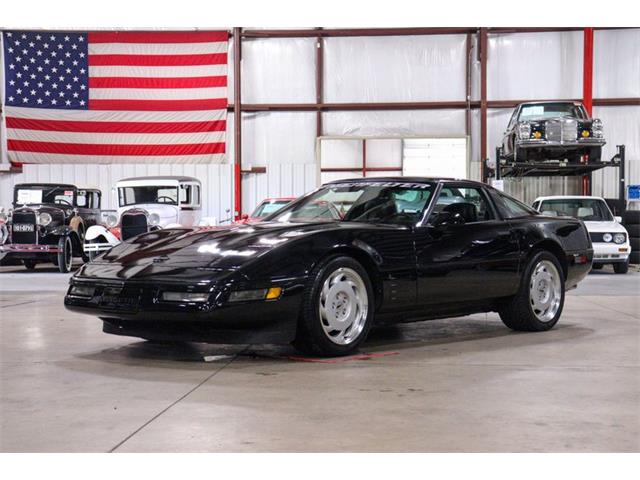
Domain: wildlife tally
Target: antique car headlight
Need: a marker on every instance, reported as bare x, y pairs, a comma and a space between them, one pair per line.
111, 221
619, 238
184, 297
524, 131
154, 219
44, 219
607, 237
82, 291
597, 128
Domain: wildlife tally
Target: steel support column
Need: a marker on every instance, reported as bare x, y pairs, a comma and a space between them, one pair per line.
587, 91
483, 44
237, 121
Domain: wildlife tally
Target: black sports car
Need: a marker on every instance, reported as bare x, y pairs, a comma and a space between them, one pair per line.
541, 131
351, 254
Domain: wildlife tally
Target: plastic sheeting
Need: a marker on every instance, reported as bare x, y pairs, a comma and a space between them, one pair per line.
428, 123
394, 69
535, 65
621, 126
616, 63
278, 70
278, 137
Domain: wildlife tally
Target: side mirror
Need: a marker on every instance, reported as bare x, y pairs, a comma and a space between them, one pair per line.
618, 219
445, 219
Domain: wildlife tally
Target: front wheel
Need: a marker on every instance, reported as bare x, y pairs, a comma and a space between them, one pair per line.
29, 264
538, 304
65, 254
621, 267
337, 310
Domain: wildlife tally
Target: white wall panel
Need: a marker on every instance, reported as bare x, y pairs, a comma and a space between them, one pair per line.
395, 69
384, 152
278, 70
429, 123
270, 138
535, 65
341, 153
616, 63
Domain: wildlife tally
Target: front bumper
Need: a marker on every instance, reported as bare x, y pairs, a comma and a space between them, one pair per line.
609, 252
139, 311
22, 250
584, 142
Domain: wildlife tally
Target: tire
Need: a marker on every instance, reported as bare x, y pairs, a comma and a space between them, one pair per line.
339, 289
635, 244
621, 267
634, 257
29, 264
65, 255
597, 266
633, 231
631, 217
520, 312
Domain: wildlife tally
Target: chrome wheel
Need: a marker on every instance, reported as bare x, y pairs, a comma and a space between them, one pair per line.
343, 306
545, 290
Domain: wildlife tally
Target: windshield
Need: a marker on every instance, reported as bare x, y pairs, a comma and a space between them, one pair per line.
268, 207
543, 111
166, 195
384, 202
41, 195
586, 209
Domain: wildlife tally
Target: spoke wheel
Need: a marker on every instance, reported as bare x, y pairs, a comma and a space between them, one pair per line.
343, 306
545, 291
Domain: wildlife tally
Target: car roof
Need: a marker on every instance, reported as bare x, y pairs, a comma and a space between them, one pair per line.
405, 180
161, 177
63, 185
574, 102
568, 197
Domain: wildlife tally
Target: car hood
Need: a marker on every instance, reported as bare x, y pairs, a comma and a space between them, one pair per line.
207, 249
603, 227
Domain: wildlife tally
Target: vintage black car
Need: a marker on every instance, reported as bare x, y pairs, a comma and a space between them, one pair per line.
542, 131
326, 268
48, 223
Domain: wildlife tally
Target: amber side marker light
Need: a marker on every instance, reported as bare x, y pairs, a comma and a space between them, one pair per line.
537, 135
585, 133
622, 250
273, 293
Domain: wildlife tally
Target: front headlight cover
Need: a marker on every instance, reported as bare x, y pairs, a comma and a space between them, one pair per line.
111, 221
82, 291
185, 297
619, 238
154, 219
44, 219
524, 131
597, 128
607, 237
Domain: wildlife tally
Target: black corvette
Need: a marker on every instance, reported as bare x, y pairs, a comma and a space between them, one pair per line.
324, 269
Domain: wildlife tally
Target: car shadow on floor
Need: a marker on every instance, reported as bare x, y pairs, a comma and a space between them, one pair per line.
431, 340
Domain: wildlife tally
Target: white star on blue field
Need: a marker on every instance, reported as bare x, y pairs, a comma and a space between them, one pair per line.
46, 70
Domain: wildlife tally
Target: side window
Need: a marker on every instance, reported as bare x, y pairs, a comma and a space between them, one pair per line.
196, 195
185, 194
514, 208
82, 199
470, 202
96, 200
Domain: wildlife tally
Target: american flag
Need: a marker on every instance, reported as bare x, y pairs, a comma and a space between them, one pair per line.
115, 97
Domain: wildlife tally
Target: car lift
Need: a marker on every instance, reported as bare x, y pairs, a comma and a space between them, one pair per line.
503, 169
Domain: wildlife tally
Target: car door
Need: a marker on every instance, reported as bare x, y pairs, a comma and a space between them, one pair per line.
472, 256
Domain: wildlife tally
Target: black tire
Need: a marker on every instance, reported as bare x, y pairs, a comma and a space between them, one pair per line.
631, 217
621, 267
635, 244
634, 257
518, 313
65, 254
29, 264
633, 231
597, 266
311, 337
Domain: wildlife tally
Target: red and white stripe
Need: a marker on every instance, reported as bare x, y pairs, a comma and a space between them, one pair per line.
154, 97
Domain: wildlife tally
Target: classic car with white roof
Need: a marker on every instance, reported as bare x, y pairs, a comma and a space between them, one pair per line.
146, 204
609, 238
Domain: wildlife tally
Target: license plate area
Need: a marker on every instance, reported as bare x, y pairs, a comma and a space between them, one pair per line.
120, 298
23, 227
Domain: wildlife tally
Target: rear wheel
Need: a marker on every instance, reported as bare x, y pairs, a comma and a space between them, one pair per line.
337, 309
597, 266
29, 264
65, 254
538, 305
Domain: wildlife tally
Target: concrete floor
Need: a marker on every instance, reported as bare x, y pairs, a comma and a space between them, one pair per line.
464, 384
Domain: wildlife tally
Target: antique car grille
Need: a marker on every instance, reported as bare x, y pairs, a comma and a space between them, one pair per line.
562, 130
23, 227
133, 224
